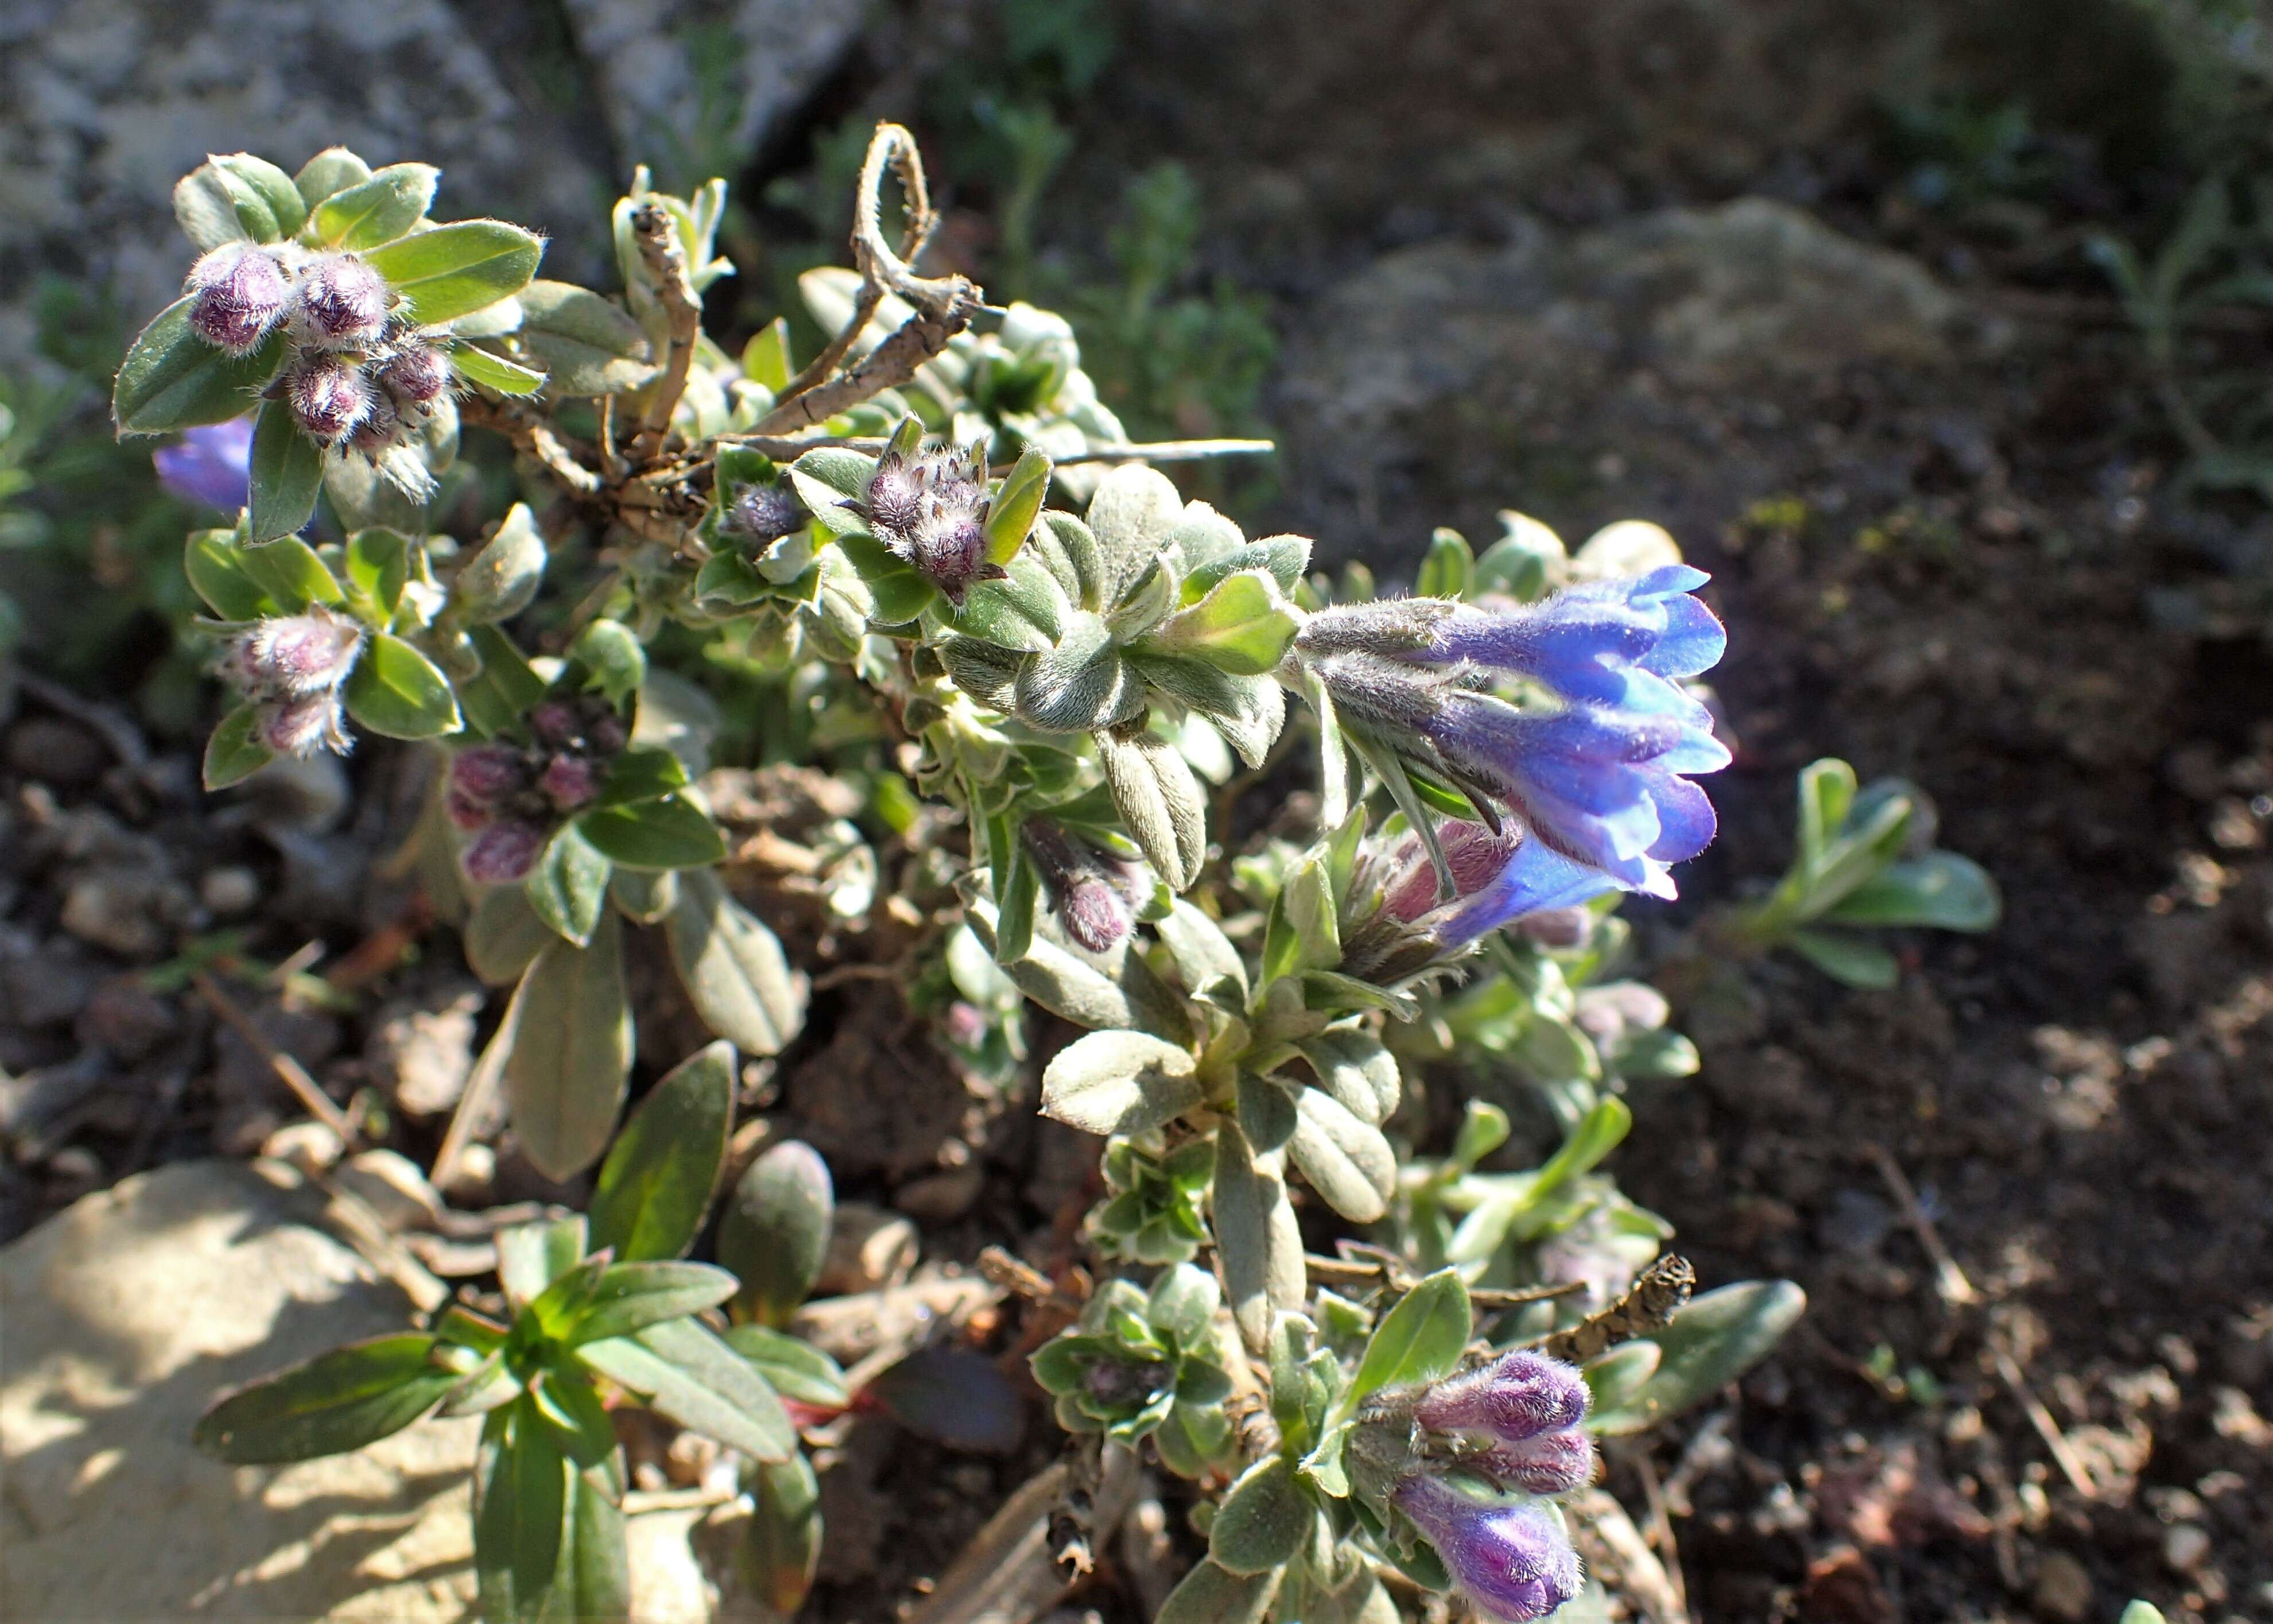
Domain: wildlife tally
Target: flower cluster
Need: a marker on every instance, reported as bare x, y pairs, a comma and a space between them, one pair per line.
291, 668
358, 377
1482, 1451
511, 798
929, 506
1568, 714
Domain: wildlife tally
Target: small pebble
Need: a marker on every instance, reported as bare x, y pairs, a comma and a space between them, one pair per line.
2063, 1589
2186, 1547
229, 890
309, 1147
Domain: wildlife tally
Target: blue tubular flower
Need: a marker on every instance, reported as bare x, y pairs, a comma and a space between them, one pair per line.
211, 465
1592, 641
1515, 1421
1498, 878
1512, 1559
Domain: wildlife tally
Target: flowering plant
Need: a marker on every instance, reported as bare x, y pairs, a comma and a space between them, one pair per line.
977, 598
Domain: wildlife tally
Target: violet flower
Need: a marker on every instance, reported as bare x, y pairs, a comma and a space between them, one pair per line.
1510, 1558
210, 465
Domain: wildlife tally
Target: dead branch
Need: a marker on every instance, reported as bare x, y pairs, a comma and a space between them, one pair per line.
658, 237
1658, 1294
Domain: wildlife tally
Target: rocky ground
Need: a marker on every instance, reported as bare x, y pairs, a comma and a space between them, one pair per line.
1597, 262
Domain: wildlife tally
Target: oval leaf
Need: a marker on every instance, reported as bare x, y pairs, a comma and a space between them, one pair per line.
1345, 1158
1419, 1340
287, 472
1118, 1082
1715, 1339
1160, 803
684, 1373
456, 269
657, 1181
171, 378
234, 752
1263, 1520
732, 967
670, 832
377, 211
774, 1234
564, 1075
335, 1402
396, 690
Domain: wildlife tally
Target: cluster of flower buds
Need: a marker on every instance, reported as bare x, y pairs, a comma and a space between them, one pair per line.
1595, 764
291, 667
930, 507
510, 799
357, 378
1478, 1453
1092, 892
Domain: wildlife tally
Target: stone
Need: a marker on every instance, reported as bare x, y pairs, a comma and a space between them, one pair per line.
696, 88
2064, 1588
1588, 376
868, 1248
421, 1051
105, 104
126, 1314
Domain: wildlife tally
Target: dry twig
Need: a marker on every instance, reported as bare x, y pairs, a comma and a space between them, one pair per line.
658, 237
1658, 1294
289, 1070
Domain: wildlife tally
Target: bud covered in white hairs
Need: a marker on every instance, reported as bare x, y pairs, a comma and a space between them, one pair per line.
238, 293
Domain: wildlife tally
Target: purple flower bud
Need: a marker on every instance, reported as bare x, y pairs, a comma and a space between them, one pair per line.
489, 774
1516, 1397
466, 813
340, 303
606, 732
211, 465
503, 852
570, 781
327, 396
416, 375
381, 427
303, 726
763, 513
1474, 854
948, 548
1514, 1561
1081, 885
1556, 1462
555, 724
895, 497
1094, 914
238, 293
296, 655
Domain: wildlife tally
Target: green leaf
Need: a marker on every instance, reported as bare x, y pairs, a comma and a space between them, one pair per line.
1132, 514
1847, 959
2141, 1613
1242, 627
571, 1052
1259, 1243
507, 686
1941, 889
327, 174
378, 563
732, 967
774, 1234
1449, 567
279, 199
587, 344
234, 752
172, 379
1182, 1301
335, 1402
899, 593
1118, 1082
1213, 1594
1420, 1339
686, 1374
290, 572
1011, 516
379, 210
1826, 791
842, 474
532, 1256
567, 1405
456, 269
766, 358
1079, 683
214, 563
1613, 1380
287, 472
1345, 1159
657, 1181
1302, 932
492, 371
1714, 1339
631, 1296
671, 832
521, 1513
1159, 802
613, 660
645, 897
501, 579
567, 886
780, 1542
1263, 1520
1353, 1067
213, 206
397, 691
792, 1367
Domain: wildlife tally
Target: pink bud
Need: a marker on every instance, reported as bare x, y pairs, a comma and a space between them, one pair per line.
327, 396
570, 781
417, 374
298, 654
341, 303
381, 427
503, 852
239, 294
303, 726
1093, 913
555, 723
488, 773
607, 733
466, 813
1474, 854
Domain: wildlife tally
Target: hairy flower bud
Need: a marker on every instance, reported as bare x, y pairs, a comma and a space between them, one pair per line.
327, 396
1082, 888
763, 513
1514, 1561
1474, 854
948, 548
1516, 1397
570, 781
416, 375
295, 655
238, 293
303, 725
488, 774
1557, 1463
381, 430
339, 304
503, 852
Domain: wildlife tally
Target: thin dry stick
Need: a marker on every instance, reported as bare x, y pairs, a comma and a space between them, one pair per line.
1948, 1279
659, 249
534, 437
1658, 1294
1659, 1532
2063, 1453
290, 1072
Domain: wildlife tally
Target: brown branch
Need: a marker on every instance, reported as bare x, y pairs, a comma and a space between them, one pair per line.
535, 437
289, 1070
666, 262
1658, 1294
